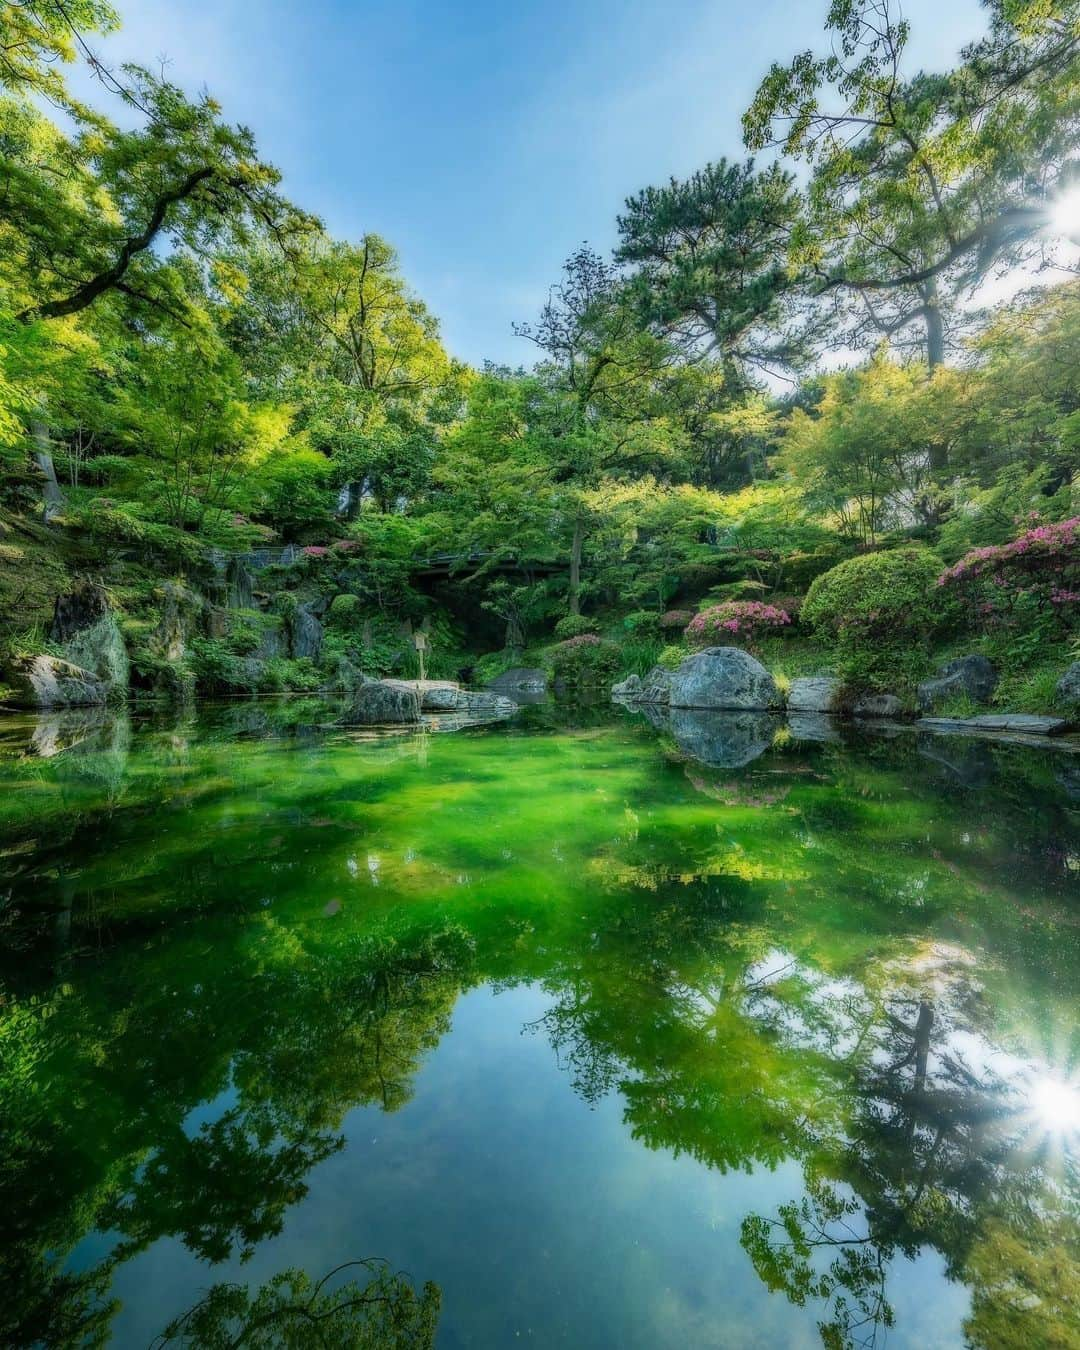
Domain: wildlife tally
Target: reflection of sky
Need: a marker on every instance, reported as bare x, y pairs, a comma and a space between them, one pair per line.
540, 1217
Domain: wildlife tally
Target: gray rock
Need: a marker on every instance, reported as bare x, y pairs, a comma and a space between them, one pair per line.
49, 682
473, 702
722, 739
877, 705
521, 679
380, 702
725, 678
86, 628
1067, 693
654, 688
971, 675
305, 633
630, 688
815, 694
1029, 723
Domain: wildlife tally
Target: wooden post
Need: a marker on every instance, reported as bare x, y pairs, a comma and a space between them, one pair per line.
420, 643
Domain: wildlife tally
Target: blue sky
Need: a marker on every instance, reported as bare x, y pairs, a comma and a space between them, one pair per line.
486, 140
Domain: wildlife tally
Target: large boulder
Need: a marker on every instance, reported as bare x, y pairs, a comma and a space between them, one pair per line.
654, 688
723, 677
521, 679
814, 694
1067, 692
305, 633
86, 629
971, 676
877, 705
723, 740
380, 703
49, 682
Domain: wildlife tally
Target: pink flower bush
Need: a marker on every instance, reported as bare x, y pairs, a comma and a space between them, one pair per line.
1046, 548
582, 640
1037, 572
344, 545
315, 551
743, 619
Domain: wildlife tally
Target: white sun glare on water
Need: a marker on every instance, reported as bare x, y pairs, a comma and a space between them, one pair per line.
1055, 1106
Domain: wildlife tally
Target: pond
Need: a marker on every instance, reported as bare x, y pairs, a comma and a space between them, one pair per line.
614, 1046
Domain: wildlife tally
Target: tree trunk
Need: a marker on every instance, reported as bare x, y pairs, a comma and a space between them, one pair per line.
574, 593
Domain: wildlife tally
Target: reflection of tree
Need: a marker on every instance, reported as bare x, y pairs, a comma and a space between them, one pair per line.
374, 1310
289, 1040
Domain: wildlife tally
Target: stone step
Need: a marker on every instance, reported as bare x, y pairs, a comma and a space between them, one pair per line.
1030, 723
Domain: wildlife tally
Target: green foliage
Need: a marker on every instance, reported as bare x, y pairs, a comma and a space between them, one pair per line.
671, 658
879, 611
377, 1311
345, 612
585, 661
573, 625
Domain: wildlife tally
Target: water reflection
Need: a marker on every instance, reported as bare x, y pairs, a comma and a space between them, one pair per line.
823, 959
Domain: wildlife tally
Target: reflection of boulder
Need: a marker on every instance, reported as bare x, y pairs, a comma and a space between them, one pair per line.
968, 676
970, 763
725, 678
59, 731
723, 739
813, 726
814, 694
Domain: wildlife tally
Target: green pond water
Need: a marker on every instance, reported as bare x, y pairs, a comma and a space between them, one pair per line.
616, 1047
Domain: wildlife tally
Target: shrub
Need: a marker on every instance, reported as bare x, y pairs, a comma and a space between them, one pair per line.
877, 597
344, 611
574, 625
642, 623
671, 658
735, 621
585, 660
878, 612
676, 618
1031, 584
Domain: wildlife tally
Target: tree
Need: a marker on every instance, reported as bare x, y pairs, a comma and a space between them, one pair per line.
922, 185
710, 259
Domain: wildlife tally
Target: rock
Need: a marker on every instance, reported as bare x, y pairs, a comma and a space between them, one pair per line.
815, 694
725, 678
878, 705
473, 702
654, 688
630, 688
1028, 723
1067, 692
521, 679
972, 676
380, 702
49, 682
89, 636
723, 739
305, 633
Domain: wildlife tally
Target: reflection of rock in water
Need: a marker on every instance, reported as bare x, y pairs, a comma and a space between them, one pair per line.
968, 762
812, 726
724, 740
56, 732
